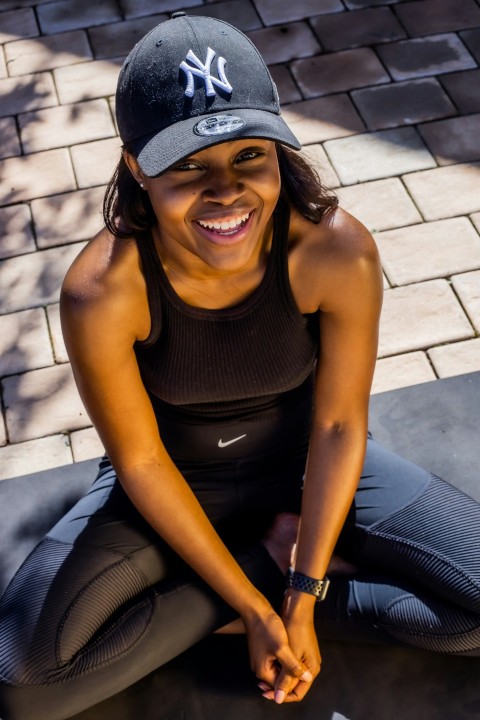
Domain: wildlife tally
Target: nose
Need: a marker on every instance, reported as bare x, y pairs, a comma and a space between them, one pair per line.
223, 186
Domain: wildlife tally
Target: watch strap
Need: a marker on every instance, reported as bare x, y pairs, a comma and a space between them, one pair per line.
307, 584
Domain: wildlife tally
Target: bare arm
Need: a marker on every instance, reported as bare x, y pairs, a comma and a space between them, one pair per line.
103, 313
351, 291
349, 316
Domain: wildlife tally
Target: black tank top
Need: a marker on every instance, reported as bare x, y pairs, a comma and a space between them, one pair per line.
246, 361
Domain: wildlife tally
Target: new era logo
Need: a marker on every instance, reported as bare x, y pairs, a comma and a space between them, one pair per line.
200, 70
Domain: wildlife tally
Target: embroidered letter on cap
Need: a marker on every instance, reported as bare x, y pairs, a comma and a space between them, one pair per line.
203, 71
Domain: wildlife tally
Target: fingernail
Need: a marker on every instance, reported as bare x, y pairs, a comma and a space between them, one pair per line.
307, 676
280, 696
263, 686
266, 695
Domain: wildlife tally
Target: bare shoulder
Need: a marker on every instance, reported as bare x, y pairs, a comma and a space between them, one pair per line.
339, 237
105, 280
328, 257
100, 266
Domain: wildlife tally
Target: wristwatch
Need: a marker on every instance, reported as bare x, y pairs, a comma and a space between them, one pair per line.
309, 585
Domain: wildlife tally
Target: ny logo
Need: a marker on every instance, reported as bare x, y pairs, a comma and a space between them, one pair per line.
203, 71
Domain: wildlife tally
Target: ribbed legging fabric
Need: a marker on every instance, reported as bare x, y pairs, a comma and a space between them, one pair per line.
102, 601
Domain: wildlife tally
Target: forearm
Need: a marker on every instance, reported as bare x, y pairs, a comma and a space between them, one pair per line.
332, 474
333, 470
163, 497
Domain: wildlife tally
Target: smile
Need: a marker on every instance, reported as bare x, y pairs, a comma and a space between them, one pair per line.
225, 227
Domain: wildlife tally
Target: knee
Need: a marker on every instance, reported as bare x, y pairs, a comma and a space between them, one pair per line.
431, 625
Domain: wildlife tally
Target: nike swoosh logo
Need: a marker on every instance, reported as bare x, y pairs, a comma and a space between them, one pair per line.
222, 444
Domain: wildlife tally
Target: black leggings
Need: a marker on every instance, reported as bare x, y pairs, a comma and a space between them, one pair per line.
102, 601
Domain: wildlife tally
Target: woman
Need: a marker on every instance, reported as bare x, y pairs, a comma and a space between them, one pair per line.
220, 328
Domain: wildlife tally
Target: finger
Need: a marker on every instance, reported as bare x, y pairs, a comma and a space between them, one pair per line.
268, 672
301, 688
284, 686
264, 686
289, 680
298, 692
293, 667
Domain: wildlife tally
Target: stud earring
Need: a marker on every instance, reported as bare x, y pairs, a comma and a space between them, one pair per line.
141, 185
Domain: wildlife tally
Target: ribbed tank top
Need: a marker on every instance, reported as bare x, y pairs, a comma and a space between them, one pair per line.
243, 361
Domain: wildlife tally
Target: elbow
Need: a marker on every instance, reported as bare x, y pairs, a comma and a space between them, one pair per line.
340, 429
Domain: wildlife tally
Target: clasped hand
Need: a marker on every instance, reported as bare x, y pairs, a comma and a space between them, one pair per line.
284, 655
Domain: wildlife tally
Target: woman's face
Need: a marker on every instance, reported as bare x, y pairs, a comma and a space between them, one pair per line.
215, 206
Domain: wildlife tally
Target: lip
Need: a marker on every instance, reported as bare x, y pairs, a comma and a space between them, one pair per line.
228, 237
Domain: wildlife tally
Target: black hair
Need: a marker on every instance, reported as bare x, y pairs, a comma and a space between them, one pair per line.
127, 209
302, 187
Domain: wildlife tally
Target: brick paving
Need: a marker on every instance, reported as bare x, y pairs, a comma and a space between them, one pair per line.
385, 96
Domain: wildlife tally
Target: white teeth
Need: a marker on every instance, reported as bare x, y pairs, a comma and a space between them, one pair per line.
225, 224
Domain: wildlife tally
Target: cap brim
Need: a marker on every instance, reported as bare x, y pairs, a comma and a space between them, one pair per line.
157, 153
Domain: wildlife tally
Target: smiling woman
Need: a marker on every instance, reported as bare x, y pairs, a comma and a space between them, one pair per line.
220, 199
222, 330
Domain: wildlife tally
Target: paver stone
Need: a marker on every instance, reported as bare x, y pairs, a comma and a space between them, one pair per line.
67, 218
3, 64
287, 90
86, 444
37, 175
66, 125
454, 140
358, 4
117, 39
446, 191
380, 204
400, 371
285, 42
16, 236
274, 12
240, 13
55, 327
34, 455
426, 17
471, 38
9, 140
323, 118
138, 8
403, 103
64, 15
340, 31
463, 89
95, 162
43, 402
35, 279
430, 250
433, 55
45, 53
27, 92
24, 342
337, 72
372, 156
467, 287
457, 358
89, 80
418, 316
317, 156
15, 24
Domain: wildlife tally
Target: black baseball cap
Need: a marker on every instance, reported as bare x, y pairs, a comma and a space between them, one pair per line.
192, 82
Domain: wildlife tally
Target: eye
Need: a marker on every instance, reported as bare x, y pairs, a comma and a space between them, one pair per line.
185, 165
249, 154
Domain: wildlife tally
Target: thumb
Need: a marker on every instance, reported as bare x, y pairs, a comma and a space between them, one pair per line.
292, 667
292, 671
